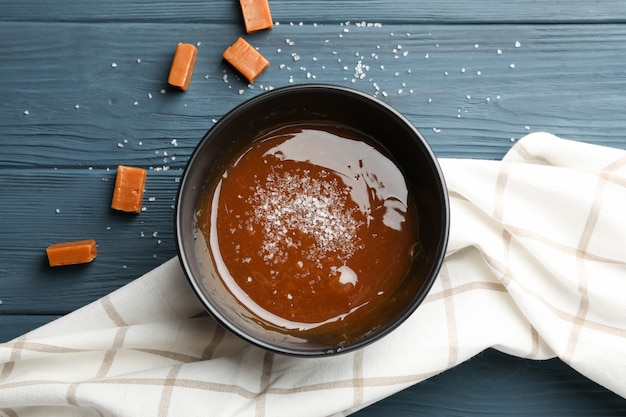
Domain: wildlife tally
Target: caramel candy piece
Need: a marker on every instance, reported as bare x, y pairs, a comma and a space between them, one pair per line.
182, 66
245, 59
256, 15
71, 253
129, 187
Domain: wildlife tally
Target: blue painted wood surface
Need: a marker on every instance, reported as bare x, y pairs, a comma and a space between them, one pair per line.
83, 89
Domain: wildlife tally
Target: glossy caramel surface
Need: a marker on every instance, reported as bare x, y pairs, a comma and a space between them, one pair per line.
310, 225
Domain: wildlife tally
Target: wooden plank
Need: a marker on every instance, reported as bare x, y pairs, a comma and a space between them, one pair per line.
85, 117
505, 386
40, 207
310, 11
14, 325
468, 99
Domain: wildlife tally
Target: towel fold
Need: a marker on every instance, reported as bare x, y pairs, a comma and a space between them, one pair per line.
535, 268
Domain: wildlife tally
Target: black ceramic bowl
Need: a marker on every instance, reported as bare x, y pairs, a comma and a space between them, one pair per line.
333, 105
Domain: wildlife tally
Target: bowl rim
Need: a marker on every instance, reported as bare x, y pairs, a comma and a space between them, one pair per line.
439, 254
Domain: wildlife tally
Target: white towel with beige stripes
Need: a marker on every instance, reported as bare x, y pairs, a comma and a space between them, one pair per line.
536, 268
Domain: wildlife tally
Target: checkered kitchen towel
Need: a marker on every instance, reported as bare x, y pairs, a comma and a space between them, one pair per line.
535, 268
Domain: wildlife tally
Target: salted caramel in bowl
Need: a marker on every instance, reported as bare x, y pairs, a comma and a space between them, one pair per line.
312, 220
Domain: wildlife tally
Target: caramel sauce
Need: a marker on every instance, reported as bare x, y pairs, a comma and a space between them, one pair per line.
311, 225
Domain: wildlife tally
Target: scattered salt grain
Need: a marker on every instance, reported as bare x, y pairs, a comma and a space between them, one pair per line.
512, 66
499, 51
77, 106
26, 112
517, 44
113, 65
57, 211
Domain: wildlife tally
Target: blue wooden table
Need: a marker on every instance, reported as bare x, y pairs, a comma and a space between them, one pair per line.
83, 89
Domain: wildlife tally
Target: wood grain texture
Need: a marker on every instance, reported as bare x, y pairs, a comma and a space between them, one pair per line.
13, 325
449, 80
496, 384
64, 205
310, 11
84, 88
